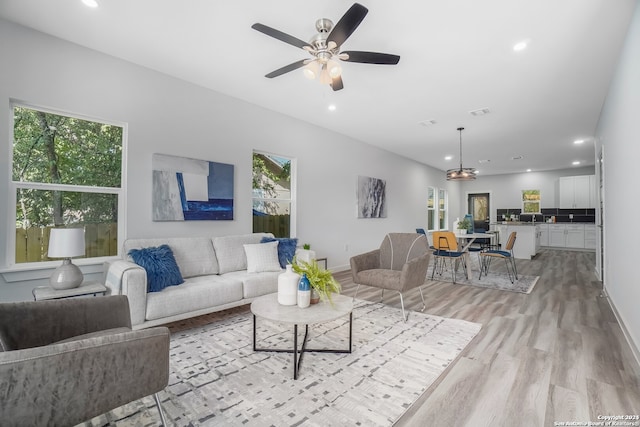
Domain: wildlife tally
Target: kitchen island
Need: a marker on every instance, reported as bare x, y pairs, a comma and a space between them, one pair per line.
531, 236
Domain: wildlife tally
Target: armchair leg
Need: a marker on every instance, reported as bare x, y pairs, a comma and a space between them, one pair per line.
356, 294
424, 305
405, 318
159, 405
382, 295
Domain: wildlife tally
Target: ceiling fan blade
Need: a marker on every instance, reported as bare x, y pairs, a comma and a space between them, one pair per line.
336, 83
277, 34
347, 24
371, 57
286, 69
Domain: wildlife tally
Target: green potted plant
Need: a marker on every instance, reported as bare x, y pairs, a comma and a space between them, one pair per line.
322, 281
464, 225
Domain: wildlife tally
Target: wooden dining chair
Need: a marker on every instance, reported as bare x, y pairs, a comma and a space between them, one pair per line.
446, 248
487, 256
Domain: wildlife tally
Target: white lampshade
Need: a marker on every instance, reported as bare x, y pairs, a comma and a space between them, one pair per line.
66, 242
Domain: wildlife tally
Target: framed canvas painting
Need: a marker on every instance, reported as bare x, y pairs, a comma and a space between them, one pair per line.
188, 189
371, 197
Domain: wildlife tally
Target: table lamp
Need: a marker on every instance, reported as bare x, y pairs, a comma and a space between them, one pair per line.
66, 243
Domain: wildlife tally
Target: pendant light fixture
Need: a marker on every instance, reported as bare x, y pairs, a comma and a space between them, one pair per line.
461, 174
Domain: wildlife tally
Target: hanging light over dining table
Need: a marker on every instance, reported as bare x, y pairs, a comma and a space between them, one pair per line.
461, 174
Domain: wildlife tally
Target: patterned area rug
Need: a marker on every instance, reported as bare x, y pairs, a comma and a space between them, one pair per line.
494, 280
217, 379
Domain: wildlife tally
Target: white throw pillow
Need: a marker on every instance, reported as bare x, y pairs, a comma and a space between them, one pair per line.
262, 257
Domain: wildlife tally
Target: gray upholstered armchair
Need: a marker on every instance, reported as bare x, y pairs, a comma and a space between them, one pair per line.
400, 264
63, 362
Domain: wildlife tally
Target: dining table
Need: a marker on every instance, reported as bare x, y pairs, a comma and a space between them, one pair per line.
465, 240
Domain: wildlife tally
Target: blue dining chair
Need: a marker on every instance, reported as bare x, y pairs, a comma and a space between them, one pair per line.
487, 256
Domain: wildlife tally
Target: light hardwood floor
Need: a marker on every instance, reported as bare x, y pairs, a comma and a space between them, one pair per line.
557, 354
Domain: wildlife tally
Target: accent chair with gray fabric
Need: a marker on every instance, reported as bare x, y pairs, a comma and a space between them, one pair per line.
400, 264
63, 362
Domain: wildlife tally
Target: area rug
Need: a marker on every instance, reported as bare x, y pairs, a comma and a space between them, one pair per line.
494, 280
217, 379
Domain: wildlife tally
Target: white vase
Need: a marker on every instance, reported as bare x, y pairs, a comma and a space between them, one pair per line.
288, 287
306, 255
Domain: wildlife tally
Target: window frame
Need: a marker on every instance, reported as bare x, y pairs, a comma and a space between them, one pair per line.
438, 194
10, 263
292, 191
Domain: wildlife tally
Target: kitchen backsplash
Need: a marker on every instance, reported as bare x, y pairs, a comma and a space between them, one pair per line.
561, 215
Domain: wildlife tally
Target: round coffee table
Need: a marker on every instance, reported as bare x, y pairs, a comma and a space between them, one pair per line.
267, 307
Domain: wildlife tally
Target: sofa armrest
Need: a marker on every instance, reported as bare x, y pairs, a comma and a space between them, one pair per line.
414, 272
127, 278
36, 323
366, 261
72, 382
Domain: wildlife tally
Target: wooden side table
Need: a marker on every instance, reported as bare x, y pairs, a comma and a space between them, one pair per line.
86, 288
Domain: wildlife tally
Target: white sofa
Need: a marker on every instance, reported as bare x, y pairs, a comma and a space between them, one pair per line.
214, 272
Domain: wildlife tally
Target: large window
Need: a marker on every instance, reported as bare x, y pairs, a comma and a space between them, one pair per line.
273, 195
437, 206
67, 172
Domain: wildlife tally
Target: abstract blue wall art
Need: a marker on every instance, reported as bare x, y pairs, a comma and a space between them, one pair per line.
188, 189
372, 201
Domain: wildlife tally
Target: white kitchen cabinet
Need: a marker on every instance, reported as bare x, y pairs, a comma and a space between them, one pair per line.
544, 234
557, 235
575, 236
589, 236
577, 192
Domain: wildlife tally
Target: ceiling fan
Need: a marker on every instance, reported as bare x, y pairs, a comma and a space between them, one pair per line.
324, 48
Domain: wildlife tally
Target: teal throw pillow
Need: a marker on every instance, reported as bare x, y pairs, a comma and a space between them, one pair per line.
162, 268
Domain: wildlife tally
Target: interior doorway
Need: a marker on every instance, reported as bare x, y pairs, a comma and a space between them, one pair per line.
479, 205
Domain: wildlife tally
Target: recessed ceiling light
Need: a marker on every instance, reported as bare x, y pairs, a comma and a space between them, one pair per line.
575, 163
480, 112
578, 141
90, 3
528, 170
332, 107
448, 157
428, 123
521, 45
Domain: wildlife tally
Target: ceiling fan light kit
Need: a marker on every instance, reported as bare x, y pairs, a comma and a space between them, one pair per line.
461, 174
324, 47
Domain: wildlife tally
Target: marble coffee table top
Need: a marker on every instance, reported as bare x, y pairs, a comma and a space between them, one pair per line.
267, 307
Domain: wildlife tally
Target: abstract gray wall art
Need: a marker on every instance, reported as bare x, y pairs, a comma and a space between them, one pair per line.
372, 201
189, 189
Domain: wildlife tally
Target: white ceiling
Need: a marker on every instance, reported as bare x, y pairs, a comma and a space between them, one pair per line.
456, 56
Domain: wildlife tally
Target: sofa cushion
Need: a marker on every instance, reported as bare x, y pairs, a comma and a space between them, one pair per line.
255, 284
230, 250
195, 255
162, 269
196, 293
286, 248
262, 257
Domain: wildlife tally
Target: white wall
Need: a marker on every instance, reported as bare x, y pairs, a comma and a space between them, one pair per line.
618, 133
506, 190
169, 116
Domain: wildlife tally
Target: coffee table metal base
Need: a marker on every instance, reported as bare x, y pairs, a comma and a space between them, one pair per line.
297, 354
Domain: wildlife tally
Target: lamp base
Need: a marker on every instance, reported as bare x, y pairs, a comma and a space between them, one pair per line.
67, 276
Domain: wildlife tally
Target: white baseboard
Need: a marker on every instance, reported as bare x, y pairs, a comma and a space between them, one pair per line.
625, 332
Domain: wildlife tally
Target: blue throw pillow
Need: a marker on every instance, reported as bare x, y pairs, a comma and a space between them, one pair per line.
286, 248
161, 266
